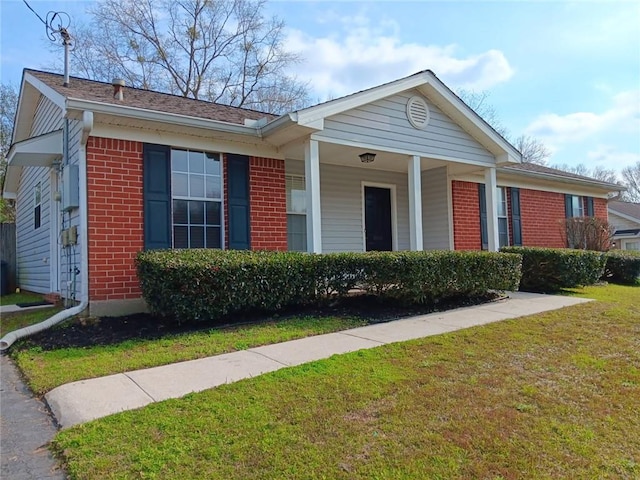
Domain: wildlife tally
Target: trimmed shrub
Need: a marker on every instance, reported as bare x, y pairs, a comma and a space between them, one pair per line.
200, 284
623, 266
552, 269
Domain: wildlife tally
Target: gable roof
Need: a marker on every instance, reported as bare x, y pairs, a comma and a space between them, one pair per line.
628, 210
429, 85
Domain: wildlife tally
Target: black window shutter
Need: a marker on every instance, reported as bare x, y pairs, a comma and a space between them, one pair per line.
516, 220
484, 231
238, 202
568, 208
156, 191
590, 212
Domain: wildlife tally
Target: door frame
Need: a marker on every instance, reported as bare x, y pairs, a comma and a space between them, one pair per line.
394, 217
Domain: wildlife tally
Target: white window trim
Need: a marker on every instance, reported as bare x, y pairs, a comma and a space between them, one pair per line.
221, 158
394, 216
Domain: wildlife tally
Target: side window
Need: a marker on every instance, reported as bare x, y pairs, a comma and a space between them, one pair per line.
296, 213
37, 209
503, 219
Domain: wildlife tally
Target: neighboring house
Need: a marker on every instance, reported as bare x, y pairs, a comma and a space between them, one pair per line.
624, 217
101, 171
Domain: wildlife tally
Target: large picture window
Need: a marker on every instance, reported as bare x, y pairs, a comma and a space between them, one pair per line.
196, 183
296, 213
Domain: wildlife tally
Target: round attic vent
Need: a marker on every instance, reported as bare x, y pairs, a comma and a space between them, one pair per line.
418, 112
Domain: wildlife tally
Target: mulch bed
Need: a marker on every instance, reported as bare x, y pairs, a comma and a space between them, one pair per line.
113, 330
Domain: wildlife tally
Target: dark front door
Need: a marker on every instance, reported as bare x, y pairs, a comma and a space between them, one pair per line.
377, 218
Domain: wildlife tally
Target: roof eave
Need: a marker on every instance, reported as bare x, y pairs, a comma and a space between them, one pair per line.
605, 186
162, 117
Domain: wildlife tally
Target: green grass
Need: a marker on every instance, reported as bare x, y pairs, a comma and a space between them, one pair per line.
45, 370
554, 395
15, 320
22, 297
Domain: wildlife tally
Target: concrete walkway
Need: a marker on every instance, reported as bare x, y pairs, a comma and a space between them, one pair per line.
82, 401
27, 428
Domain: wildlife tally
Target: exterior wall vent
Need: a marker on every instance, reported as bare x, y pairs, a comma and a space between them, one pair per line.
418, 112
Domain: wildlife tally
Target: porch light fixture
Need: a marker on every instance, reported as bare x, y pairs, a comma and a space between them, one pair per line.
367, 157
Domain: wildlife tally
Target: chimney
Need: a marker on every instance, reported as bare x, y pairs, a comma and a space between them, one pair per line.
118, 89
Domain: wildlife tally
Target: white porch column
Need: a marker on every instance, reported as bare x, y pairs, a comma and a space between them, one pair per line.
491, 185
312, 186
415, 204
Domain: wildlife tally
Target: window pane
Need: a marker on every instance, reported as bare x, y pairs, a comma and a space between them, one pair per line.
503, 232
213, 213
576, 204
502, 202
213, 164
213, 237
298, 201
196, 162
180, 212
213, 187
38, 195
179, 161
180, 184
196, 213
180, 237
297, 233
197, 237
196, 182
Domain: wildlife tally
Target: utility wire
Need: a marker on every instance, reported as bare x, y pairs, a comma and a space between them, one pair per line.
36, 13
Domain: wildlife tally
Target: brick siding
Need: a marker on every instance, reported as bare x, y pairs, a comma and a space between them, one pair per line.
114, 190
268, 204
466, 215
542, 214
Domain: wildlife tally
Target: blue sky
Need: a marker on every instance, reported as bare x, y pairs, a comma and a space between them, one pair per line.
567, 73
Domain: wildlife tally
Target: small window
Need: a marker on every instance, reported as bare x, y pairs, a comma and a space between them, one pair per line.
503, 219
296, 213
37, 210
577, 206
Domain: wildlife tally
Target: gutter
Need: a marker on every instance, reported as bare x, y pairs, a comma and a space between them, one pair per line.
11, 337
577, 181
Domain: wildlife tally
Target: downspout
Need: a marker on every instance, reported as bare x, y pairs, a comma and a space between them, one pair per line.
11, 337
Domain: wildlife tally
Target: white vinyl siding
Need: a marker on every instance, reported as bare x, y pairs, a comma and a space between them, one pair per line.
384, 124
435, 209
48, 117
32, 249
341, 203
620, 223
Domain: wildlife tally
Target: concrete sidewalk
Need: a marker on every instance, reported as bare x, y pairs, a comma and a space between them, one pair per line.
82, 401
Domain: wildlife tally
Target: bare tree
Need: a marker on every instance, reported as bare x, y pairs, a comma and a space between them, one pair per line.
588, 233
218, 50
479, 102
597, 173
8, 106
631, 180
532, 150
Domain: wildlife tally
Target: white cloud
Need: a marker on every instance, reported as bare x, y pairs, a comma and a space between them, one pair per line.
363, 55
610, 157
623, 116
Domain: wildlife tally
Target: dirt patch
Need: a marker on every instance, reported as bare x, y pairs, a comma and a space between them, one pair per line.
114, 330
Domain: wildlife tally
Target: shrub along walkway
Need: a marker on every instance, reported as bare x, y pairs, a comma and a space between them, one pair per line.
82, 401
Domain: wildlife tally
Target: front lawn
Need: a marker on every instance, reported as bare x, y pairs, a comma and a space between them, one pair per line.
554, 395
47, 369
15, 320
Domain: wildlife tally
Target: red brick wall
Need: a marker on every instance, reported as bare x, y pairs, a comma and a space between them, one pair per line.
268, 204
466, 216
542, 214
600, 209
114, 190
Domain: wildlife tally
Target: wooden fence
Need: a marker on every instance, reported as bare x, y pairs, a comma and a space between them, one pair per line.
8, 253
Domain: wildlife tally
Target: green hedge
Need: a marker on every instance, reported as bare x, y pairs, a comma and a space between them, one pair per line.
202, 284
623, 266
552, 269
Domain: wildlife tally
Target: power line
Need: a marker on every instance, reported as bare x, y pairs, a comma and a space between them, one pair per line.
36, 13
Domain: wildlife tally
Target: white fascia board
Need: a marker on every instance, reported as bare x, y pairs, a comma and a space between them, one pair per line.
624, 215
339, 105
512, 153
11, 182
608, 187
46, 90
161, 117
278, 123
